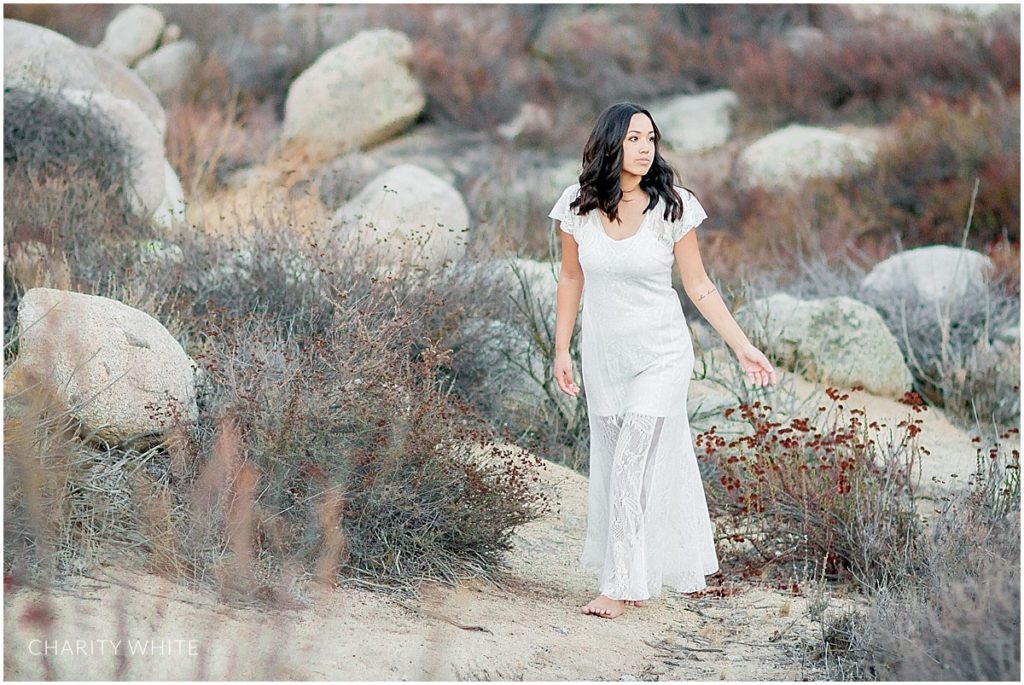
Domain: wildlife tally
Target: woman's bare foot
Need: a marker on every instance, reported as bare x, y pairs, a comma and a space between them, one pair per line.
636, 602
605, 607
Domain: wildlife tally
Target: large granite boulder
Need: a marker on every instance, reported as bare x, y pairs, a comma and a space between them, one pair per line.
167, 70
120, 372
148, 173
355, 95
696, 123
38, 58
836, 340
132, 33
405, 213
791, 155
934, 274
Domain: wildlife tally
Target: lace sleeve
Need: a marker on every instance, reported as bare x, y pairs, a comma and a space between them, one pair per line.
570, 221
693, 215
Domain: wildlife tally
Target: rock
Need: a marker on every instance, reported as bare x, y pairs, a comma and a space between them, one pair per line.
531, 119
836, 340
934, 274
38, 58
171, 212
952, 20
405, 213
132, 33
565, 36
343, 178
270, 46
243, 264
172, 32
1008, 334
125, 83
803, 39
149, 173
785, 158
169, 68
355, 95
695, 123
978, 9
117, 368
704, 336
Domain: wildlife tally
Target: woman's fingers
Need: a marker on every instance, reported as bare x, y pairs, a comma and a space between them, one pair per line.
567, 384
760, 377
564, 381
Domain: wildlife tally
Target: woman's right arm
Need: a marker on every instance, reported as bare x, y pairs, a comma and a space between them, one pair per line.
569, 293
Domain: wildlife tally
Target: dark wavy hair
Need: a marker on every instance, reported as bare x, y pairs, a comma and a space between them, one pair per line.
602, 166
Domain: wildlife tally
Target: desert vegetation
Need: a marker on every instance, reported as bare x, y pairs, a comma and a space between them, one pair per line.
379, 423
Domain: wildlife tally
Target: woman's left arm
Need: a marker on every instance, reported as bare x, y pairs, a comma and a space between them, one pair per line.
705, 297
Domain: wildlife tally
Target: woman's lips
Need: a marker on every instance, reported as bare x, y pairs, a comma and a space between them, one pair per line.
644, 161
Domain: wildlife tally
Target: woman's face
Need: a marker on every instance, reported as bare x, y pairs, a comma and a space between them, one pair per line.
638, 146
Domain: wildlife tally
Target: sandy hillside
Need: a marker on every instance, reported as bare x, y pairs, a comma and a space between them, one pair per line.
530, 628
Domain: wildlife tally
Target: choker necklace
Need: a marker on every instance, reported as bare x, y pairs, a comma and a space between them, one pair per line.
624, 199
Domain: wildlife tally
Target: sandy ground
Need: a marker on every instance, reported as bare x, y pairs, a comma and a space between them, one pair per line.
530, 628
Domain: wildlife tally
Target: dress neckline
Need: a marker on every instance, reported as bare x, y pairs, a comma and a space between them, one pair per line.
600, 225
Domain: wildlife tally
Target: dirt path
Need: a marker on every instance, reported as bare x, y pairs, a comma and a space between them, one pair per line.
531, 628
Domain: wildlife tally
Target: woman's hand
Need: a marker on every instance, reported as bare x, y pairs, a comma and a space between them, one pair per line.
563, 374
760, 371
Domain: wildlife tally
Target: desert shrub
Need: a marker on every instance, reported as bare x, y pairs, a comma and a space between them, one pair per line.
830, 497
561, 425
47, 137
356, 411
963, 353
332, 437
474, 67
67, 219
68, 495
342, 451
958, 618
867, 72
207, 140
926, 175
919, 192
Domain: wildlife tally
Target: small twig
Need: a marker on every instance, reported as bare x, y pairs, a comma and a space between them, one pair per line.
440, 617
778, 635
700, 649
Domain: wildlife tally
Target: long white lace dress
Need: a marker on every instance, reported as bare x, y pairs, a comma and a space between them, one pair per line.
647, 521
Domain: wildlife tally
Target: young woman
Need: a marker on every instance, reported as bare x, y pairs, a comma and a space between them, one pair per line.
622, 226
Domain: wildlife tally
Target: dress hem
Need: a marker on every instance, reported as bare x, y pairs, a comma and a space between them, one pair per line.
666, 582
